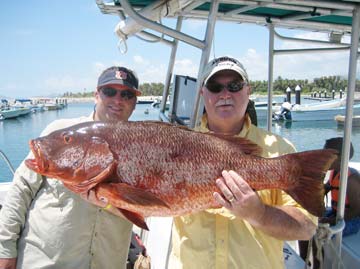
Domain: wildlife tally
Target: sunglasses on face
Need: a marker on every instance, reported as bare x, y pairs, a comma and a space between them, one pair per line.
111, 92
233, 86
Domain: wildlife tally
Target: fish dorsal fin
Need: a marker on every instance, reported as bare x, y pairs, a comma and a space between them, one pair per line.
167, 124
242, 144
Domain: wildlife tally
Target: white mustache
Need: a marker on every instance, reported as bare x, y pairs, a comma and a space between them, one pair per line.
223, 102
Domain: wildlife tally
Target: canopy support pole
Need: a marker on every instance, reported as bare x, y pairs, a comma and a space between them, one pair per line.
348, 128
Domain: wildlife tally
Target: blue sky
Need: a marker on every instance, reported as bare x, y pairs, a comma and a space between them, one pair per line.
51, 48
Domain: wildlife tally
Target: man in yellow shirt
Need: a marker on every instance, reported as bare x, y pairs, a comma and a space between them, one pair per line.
249, 230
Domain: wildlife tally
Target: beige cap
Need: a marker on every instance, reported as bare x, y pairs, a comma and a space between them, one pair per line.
223, 63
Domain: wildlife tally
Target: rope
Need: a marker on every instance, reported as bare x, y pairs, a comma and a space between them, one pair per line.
309, 250
122, 40
323, 236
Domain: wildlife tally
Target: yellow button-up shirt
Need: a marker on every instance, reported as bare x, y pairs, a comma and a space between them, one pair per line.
215, 238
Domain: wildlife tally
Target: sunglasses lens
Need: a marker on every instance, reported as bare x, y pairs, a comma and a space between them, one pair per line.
235, 86
214, 87
127, 94
109, 92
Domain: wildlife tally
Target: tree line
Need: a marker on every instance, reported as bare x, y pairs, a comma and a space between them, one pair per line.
328, 83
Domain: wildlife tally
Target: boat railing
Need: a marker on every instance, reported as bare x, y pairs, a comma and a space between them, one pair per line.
7, 161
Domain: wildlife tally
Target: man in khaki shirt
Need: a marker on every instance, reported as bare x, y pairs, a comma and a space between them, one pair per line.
248, 231
44, 225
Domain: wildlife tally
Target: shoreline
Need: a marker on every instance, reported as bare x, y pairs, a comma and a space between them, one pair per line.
91, 99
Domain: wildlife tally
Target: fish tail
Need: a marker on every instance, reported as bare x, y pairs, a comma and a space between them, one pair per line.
309, 188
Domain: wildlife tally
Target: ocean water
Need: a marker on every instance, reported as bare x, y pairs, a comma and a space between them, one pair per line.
15, 133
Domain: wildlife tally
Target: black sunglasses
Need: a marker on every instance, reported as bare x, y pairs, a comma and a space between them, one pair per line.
233, 86
111, 92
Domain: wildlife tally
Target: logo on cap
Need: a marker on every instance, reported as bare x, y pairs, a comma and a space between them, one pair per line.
224, 59
120, 74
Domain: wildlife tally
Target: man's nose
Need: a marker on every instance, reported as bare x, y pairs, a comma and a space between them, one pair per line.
225, 93
117, 98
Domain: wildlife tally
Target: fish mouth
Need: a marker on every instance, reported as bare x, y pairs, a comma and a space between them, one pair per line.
37, 164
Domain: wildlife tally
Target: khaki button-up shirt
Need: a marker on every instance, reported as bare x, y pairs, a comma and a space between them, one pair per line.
45, 225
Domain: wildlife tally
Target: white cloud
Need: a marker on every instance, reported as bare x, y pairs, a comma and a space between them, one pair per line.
312, 64
61, 84
152, 73
255, 64
98, 68
194, 25
186, 67
140, 60
300, 65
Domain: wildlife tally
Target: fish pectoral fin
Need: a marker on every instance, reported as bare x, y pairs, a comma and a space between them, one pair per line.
133, 195
135, 218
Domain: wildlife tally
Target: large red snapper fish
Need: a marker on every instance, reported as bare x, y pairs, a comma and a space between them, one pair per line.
157, 169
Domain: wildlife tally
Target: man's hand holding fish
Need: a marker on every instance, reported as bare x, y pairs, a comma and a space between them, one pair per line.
239, 197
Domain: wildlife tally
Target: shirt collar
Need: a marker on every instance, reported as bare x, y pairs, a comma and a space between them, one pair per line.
243, 133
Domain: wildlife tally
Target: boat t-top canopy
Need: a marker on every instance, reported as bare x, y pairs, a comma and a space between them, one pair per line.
326, 16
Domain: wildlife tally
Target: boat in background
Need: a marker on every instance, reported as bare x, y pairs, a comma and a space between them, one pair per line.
53, 105
340, 120
324, 111
147, 99
11, 113
157, 103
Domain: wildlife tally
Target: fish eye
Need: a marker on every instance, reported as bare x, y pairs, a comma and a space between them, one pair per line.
67, 138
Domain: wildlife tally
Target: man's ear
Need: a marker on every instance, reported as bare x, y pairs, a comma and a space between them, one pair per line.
96, 95
249, 90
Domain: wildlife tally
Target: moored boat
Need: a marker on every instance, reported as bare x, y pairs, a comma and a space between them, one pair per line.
14, 112
313, 112
147, 99
9, 113
340, 120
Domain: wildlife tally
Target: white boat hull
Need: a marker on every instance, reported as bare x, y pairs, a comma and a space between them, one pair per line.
318, 114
